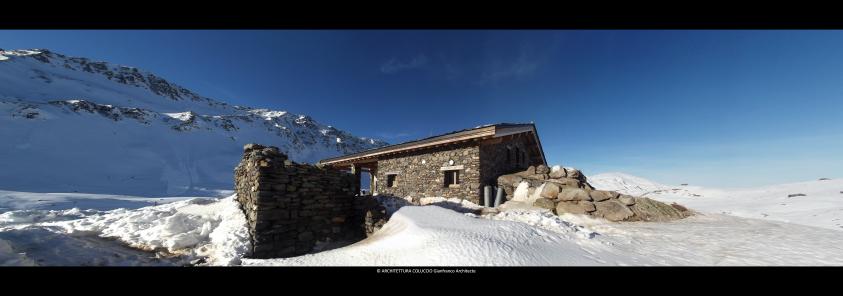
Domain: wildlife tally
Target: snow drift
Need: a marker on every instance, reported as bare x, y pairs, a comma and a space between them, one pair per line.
444, 232
211, 230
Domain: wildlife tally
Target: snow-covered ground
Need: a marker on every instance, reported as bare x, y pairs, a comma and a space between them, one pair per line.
175, 232
212, 231
431, 235
821, 205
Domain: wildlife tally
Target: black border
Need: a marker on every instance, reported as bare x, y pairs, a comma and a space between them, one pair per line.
154, 14
368, 280
151, 15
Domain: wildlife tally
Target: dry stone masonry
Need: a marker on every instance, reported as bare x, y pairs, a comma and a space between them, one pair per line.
567, 191
420, 174
290, 206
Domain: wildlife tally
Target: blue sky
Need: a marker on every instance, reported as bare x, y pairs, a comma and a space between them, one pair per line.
713, 108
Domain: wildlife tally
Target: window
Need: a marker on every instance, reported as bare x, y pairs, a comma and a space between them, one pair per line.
508, 156
390, 180
452, 178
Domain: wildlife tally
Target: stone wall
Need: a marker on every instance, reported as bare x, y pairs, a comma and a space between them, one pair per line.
494, 161
419, 174
290, 206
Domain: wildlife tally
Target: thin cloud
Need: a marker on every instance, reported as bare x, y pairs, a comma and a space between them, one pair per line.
395, 65
525, 64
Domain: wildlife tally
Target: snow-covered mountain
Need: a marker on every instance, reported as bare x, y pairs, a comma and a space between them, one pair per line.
638, 186
814, 203
71, 124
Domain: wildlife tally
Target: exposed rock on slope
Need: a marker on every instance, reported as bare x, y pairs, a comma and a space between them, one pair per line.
96, 127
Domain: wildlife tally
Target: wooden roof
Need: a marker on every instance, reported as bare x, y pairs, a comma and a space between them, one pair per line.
456, 137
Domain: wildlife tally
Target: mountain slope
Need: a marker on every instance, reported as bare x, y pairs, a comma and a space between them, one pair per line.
820, 206
75, 125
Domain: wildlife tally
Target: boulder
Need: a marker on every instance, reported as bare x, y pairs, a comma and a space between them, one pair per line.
600, 195
550, 190
581, 207
558, 174
612, 210
534, 182
574, 183
508, 191
531, 170
587, 205
509, 180
646, 209
545, 203
537, 177
573, 173
626, 200
573, 194
542, 169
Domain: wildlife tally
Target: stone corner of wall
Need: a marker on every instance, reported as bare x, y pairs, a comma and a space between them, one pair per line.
290, 207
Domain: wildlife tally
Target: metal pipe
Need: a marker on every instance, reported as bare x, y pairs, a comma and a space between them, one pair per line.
499, 197
487, 195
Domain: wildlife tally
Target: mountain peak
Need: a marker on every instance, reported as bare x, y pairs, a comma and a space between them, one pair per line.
134, 131
53, 70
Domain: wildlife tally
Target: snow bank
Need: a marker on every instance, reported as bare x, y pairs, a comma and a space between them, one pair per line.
522, 193
392, 204
543, 219
198, 227
434, 236
431, 235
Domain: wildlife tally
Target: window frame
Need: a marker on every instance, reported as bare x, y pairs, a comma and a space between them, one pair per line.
391, 180
454, 178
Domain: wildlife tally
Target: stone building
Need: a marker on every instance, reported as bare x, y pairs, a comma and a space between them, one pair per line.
456, 164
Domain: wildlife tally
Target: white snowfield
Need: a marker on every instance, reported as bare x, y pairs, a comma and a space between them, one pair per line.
821, 205
441, 233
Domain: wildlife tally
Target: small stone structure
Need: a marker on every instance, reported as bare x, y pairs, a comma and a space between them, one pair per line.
567, 191
290, 206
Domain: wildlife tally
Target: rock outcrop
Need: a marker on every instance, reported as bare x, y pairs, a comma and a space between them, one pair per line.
566, 190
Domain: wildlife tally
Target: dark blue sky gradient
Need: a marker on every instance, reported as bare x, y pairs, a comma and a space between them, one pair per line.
716, 108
